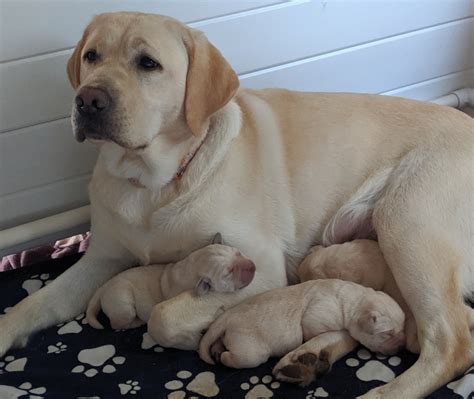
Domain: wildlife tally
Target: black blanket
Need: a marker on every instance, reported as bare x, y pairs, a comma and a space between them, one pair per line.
74, 360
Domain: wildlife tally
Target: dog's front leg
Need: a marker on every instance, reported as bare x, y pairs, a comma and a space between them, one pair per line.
66, 296
180, 321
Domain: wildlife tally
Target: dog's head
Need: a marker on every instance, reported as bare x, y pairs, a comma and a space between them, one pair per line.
138, 75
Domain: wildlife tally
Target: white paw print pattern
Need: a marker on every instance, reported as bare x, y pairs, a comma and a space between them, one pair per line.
203, 384
373, 370
129, 387
73, 326
10, 364
148, 343
317, 393
464, 386
98, 357
35, 282
26, 388
260, 389
57, 348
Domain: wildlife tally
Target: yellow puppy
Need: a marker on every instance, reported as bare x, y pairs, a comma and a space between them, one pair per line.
128, 298
278, 321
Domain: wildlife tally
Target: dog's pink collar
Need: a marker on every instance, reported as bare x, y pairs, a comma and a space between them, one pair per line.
187, 160
183, 165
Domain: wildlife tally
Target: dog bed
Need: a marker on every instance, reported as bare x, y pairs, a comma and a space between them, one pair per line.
73, 360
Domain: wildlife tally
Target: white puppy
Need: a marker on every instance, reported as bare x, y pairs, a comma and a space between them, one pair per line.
128, 298
278, 321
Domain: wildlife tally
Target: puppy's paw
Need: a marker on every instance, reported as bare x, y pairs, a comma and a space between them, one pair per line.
303, 368
217, 348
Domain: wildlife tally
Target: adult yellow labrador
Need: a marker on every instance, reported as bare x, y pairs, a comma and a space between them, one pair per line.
185, 153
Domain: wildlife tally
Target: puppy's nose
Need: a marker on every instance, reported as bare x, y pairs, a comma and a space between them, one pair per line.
92, 100
244, 272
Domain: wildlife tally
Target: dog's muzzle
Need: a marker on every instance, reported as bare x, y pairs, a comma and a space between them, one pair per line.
92, 109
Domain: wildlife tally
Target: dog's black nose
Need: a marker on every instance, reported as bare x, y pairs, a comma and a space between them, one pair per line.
92, 100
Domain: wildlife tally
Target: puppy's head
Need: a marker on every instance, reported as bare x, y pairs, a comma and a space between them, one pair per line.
379, 325
313, 265
222, 268
138, 75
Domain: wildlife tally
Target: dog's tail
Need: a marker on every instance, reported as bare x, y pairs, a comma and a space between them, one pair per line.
93, 309
215, 331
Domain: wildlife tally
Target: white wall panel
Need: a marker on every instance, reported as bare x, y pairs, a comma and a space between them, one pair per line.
42, 154
380, 66
32, 27
34, 90
307, 29
39, 202
437, 87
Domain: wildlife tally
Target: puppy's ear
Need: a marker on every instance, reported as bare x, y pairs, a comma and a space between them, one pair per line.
374, 322
210, 83
74, 62
218, 239
203, 286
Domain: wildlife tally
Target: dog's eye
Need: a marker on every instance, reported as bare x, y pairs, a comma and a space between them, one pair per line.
90, 56
148, 64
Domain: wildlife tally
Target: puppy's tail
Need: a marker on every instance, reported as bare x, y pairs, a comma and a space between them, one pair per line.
215, 331
93, 309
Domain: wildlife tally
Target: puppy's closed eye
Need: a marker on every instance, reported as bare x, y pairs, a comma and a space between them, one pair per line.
203, 286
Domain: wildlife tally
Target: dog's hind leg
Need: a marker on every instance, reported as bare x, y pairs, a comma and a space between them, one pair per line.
424, 226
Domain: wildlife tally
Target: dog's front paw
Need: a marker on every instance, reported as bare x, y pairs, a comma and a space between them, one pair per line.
7, 339
302, 368
5, 346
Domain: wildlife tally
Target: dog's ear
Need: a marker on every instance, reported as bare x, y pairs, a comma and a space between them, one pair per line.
210, 83
218, 239
74, 62
374, 322
203, 286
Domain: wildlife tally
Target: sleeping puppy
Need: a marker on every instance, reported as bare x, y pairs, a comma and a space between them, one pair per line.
359, 261
362, 262
278, 321
128, 298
